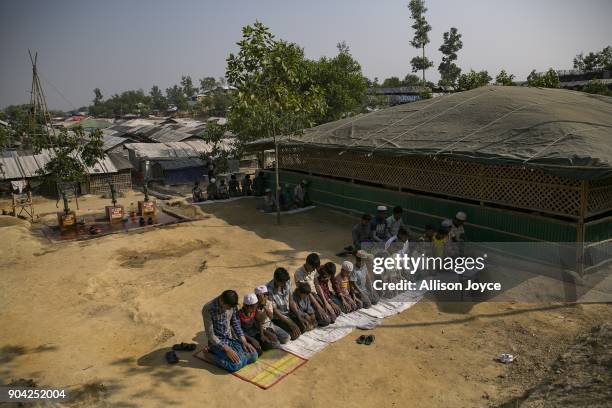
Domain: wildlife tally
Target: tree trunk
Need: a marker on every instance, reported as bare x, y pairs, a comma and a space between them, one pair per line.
423, 64
277, 181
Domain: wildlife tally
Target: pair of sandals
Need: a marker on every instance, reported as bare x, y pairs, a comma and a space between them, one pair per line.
367, 340
171, 356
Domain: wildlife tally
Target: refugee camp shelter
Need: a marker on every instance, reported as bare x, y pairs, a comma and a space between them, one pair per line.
23, 165
179, 171
525, 164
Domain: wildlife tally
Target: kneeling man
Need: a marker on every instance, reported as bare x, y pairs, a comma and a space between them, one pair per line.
226, 341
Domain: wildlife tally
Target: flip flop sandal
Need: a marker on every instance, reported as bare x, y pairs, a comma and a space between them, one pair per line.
361, 339
184, 347
171, 357
369, 340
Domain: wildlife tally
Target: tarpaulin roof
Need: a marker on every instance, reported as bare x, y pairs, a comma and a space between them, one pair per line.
180, 163
564, 132
192, 148
19, 165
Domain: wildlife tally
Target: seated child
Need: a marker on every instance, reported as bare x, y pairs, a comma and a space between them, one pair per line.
325, 276
270, 335
306, 318
348, 300
248, 322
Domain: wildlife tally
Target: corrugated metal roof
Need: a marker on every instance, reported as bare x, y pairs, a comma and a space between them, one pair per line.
120, 161
16, 165
111, 141
192, 148
166, 135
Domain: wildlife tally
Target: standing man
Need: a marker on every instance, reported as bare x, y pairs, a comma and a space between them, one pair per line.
226, 341
457, 232
307, 273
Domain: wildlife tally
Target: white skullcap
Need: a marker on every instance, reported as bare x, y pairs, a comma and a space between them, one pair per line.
250, 299
212, 180
447, 223
381, 208
268, 190
461, 216
347, 266
261, 289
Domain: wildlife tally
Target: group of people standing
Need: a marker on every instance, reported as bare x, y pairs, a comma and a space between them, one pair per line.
280, 310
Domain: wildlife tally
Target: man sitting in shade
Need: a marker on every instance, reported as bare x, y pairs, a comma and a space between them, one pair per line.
212, 191
227, 344
394, 222
269, 203
380, 230
196, 193
299, 195
362, 232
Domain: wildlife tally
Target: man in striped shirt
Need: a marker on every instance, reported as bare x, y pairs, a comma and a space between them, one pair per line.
226, 341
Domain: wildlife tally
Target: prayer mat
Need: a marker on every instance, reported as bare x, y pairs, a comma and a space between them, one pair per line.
271, 367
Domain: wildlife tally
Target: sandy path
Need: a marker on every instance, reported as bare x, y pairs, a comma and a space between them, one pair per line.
98, 316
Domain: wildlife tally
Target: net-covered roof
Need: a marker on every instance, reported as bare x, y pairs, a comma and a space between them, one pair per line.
566, 132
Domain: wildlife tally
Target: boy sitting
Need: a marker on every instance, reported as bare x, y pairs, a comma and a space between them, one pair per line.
306, 318
248, 323
270, 335
349, 301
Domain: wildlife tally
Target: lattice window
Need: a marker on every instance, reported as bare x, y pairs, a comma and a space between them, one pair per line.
98, 184
600, 196
507, 185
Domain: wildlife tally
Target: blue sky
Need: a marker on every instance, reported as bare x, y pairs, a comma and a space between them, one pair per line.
119, 45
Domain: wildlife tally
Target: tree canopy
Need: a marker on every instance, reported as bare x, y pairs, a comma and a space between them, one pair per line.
594, 61
449, 71
548, 79
421, 35
473, 80
276, 91
505, 79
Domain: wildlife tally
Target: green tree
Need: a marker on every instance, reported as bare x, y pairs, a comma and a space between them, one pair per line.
549, 79
208, 84
597, 87
421, 37
342, 82
188, 89
214, 135
594, 61
473, 80
97, 96
158, 101
176, 97
505, 79
411, 80
449, 71
391, 82
276, 94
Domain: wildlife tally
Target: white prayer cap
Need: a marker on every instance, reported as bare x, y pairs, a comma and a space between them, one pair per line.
250, 299
268, 190
447, 223
261, 289
212, 180
347, 266
381, 208
361, 254
461, 216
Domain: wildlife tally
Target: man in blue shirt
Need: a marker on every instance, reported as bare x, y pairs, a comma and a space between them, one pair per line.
226, 341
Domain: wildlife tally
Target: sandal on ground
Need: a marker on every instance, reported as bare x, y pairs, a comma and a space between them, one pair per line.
184, 347
369, 340
361, 339
171, 357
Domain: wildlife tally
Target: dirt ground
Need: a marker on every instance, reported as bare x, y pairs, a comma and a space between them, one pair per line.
97, 316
